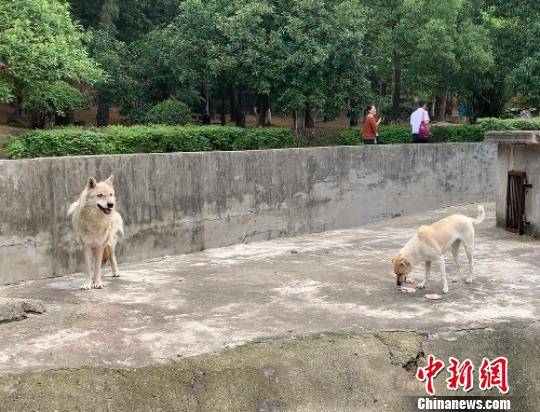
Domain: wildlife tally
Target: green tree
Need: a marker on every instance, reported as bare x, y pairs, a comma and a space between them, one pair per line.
39, 42
395, 26
191, 42
347, 67
322, 49
429, 49
114, 87
453, 53
249, 56
519, 23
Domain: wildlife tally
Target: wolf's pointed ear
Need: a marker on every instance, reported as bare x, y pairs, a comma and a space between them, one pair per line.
91, 183
109, 180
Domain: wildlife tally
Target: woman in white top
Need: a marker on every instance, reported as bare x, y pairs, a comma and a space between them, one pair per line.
417, 117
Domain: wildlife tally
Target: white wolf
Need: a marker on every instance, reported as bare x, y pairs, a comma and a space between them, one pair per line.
96, 224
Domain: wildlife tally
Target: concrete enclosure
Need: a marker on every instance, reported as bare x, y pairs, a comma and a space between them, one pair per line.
518, 151
184, 202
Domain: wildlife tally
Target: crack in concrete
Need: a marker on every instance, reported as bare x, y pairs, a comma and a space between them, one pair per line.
404, 348
25, 243
217, 219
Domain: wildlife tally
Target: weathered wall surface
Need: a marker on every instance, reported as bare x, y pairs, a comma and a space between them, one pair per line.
521, 158
184, 202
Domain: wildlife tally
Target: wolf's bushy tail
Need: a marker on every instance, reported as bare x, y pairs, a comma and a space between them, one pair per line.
106, 254
481, 215
72, 207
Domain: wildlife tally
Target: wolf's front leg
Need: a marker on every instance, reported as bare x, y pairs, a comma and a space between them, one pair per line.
98, 255
442, 267
423, 284
88, 259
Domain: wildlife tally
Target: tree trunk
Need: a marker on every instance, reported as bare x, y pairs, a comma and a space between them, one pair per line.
295, 119
240, 115
233, 102
352, 114
443, 107
17, 104
450, 105
353, 119
309, 125
205, 113
309, 122
263, 111
223, 113
102, 113
396, 93
439, 111
353, 104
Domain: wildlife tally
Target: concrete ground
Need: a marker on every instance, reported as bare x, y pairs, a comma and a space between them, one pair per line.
204, 302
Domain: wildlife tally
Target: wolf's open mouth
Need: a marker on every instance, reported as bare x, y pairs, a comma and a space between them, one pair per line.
105, 210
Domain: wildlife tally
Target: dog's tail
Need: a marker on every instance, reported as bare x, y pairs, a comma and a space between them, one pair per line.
481, 215
106, 254
72, 207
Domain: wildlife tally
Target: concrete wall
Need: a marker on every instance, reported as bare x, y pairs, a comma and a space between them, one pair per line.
521, 158
185, 202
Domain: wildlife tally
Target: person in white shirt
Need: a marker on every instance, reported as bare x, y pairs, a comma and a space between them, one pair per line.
417, 117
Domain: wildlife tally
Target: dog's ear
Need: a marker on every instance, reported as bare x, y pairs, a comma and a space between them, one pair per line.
404, 264
91, 183
109, 180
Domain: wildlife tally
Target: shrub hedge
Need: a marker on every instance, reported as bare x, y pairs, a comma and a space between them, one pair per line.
56, 142
171, 112
72, 141
402, 134
492, 123
159, 138
264, 138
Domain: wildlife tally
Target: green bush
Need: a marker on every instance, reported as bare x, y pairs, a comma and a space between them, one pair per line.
155, 139
394, 134
462, 133
221, 137
57, 142
265, 138
492, 123
170, 112
45, 100
348, 137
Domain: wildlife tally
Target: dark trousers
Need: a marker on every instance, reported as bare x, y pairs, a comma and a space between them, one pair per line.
369, 141
416, 139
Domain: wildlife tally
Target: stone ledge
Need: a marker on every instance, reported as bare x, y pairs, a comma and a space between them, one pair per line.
513, 137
